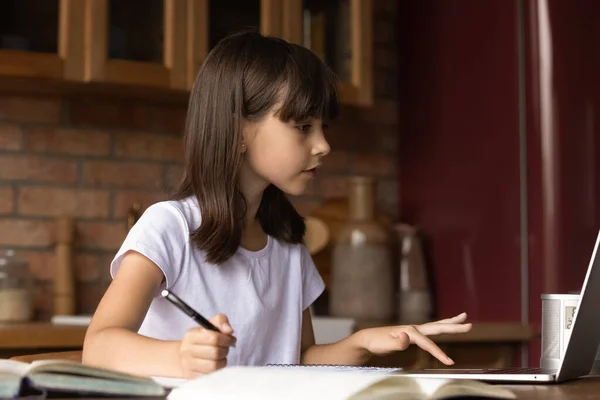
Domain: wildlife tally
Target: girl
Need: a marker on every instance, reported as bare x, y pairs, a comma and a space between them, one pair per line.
230, 243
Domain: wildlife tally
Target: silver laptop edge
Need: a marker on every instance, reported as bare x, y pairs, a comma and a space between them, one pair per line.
484, 376
579, 354
585, 335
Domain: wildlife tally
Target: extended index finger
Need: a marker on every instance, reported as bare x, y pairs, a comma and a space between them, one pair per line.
428, 345
440, 328
457, 319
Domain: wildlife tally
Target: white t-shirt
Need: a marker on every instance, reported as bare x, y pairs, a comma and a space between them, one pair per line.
263, 293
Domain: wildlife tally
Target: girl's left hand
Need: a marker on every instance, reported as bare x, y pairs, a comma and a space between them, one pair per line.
389, 339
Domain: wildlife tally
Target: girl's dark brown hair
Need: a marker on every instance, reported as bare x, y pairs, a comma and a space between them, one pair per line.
244, 77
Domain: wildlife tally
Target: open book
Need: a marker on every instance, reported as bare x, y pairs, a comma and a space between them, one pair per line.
266, 383
65, 376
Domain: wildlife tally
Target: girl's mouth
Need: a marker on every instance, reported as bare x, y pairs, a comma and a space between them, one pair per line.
311, 172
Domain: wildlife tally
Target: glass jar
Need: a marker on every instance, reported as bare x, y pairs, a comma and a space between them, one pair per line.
362, 284
16, 294
415, 297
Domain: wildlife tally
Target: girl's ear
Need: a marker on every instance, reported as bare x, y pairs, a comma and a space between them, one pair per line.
248, 132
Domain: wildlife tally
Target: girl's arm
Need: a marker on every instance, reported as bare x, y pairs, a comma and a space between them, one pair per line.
345, 352
112, 341
357, 348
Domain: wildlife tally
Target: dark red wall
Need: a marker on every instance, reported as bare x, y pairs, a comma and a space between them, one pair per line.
460, 146
563, 110
459, 150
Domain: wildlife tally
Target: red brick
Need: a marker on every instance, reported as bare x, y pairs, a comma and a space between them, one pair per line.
388, 197
30, 109
361, 137
88, 297
384, 112
386, 59
333, 186
42, 300
170, 119
343, 134
105, 277
125, 199
37, 169
375, 164
388, 7
80, 203
336, 161
388, 140
350, 115
100, 235
26, 232
87, 267
174, 176
68, 141
6, 200
109, 113
384, 33
10, 137
383, 139
157, 147
123, 174
386, 86
42, 264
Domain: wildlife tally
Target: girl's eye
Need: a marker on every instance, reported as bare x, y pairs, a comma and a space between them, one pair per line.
304, 128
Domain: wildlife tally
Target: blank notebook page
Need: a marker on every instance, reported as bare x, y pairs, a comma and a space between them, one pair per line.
265, 383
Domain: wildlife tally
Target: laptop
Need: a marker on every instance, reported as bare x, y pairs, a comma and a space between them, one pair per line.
579, 354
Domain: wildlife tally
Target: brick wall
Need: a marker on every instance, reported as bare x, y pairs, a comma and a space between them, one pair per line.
86, 157
91, 156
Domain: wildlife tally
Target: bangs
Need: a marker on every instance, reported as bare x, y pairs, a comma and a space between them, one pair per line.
311, 88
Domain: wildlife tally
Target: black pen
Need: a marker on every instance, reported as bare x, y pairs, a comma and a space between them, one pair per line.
188, 310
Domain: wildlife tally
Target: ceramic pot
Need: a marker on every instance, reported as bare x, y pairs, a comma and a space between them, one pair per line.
362, 284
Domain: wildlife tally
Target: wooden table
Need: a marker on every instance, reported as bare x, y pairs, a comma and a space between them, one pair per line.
587, 388
581, 389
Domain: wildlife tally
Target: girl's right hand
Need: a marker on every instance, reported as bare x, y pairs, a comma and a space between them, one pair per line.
202, 351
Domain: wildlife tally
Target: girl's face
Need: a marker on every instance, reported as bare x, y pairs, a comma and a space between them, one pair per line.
285, 154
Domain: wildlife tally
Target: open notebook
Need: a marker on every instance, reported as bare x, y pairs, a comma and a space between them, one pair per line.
271, 383
65, 376
176, 382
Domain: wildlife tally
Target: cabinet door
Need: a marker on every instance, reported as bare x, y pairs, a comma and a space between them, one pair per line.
133, 43
211, 20
41, 38
340, 32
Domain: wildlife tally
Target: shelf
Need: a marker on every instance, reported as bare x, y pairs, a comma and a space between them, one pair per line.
58, 87
47, 335
43, 335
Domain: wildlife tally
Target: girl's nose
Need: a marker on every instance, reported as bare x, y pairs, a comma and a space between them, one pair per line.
321, 147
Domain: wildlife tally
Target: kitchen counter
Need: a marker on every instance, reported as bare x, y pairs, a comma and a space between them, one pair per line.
47, 335
38, 337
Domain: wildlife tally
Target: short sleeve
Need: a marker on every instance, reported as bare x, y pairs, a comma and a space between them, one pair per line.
161, 234
312, 283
